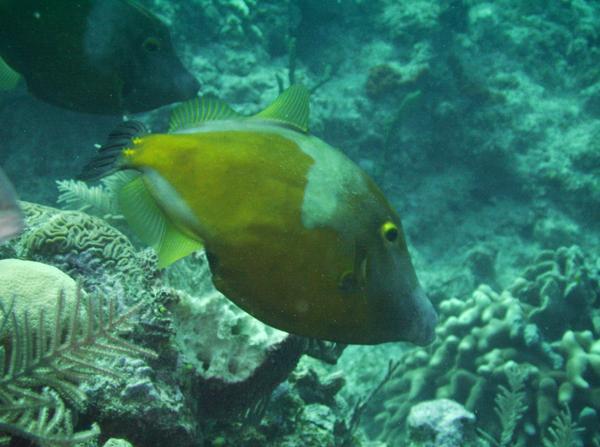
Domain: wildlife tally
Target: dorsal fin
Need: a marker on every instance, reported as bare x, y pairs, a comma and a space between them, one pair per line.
290, 108
198, 110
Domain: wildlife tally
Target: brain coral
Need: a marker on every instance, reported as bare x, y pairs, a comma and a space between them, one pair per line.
35, 286
76, 242
548, 323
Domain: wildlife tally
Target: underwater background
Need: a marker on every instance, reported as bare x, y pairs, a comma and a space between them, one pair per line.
481, 123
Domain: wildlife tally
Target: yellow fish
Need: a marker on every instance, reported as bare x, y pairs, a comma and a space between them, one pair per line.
296, 234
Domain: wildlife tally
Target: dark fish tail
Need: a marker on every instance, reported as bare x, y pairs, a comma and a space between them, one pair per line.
107, 160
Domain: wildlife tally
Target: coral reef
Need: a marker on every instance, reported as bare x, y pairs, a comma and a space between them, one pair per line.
149, 409
44, 364
70, 233
497, 160
304, 410
216, 363
383, 80
114, 442
231, 359
223, 365
84, 246
480, 336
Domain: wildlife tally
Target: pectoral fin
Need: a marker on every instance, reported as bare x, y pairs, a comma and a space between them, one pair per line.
152, 225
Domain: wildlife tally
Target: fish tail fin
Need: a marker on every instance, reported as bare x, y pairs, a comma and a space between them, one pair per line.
108, 160
8, 77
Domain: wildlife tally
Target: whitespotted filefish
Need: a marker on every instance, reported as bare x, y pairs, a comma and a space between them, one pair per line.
94, 56
296, 234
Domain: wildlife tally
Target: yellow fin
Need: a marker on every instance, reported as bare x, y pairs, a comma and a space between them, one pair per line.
152, 225
175, 245
8, 77
290, 108
198, 110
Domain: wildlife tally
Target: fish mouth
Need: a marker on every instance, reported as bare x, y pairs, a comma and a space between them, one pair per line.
410, 318
422, 330
402, 310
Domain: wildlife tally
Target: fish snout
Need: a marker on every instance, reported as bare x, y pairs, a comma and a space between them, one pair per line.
423, 319
157, 82
186, 86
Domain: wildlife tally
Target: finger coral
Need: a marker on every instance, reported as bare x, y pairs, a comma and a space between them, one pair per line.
479, 336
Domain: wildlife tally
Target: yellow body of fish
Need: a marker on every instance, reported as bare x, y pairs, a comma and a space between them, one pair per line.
296, 234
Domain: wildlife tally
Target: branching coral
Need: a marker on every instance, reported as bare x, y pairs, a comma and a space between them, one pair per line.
482, 334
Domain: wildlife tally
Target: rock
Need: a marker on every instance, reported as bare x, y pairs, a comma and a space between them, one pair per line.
114, 442
440, 423
315, 389
232, 359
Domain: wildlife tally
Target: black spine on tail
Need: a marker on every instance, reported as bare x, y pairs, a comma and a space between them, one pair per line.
106, 160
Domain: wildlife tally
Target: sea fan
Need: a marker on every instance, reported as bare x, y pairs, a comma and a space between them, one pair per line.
563, 432
41, 370
510, 406
97, 200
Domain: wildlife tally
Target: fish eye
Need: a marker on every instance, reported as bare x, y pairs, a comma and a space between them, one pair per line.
390, 232
151, 44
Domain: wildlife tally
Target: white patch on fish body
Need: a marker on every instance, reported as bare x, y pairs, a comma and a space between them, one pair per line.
332, 180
